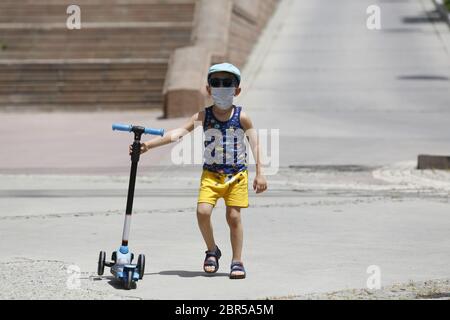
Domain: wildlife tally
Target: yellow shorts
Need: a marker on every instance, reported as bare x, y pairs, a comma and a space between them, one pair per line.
233, 190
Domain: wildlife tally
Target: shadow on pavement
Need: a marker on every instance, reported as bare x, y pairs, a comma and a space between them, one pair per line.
117, 284
427, 77
112, 281
428, 17
188, 274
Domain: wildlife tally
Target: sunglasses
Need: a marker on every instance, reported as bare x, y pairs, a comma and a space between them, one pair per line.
222, 82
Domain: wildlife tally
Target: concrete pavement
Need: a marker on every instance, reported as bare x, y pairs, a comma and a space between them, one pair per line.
354, 108
323, 228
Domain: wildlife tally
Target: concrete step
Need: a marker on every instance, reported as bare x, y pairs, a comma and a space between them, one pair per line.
118, 85
108, 54
118, 59
95, 34
66, 69
82, 98
111, 43
97, 11
107, 83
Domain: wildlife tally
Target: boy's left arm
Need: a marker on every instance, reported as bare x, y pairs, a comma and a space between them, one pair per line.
260, 182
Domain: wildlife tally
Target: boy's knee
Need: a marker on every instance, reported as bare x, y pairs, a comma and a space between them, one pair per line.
204, 212
234, 219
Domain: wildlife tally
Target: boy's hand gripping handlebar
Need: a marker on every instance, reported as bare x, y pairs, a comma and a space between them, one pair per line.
138, 132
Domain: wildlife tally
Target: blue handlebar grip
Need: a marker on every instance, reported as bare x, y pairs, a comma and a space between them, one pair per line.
122, 127
129, 128
155, 132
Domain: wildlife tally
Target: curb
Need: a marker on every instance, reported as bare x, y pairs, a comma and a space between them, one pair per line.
442, 9
433, 162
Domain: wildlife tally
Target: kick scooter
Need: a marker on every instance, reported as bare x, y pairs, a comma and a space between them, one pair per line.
121, 264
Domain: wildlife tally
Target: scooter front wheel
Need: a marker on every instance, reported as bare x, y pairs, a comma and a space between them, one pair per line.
128, 282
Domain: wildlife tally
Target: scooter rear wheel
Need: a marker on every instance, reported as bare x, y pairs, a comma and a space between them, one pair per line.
141, 266
101, 263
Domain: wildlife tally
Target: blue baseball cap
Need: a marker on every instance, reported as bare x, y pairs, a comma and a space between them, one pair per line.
225, 67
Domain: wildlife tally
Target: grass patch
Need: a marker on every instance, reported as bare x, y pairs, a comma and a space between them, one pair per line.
447, 4
3, 46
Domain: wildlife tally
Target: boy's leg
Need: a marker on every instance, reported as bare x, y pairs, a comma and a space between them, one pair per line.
236, 234
204, 212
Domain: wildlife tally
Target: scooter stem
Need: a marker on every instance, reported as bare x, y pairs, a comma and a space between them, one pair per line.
135, 156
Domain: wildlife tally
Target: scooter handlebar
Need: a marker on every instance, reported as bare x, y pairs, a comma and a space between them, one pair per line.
129, 128
154, 132
122, 127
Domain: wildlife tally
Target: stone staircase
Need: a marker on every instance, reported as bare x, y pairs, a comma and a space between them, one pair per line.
118, 59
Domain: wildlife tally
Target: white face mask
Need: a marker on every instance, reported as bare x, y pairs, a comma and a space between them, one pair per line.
223, 97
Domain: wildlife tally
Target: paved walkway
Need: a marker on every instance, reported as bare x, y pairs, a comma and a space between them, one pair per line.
354, 108
343, 94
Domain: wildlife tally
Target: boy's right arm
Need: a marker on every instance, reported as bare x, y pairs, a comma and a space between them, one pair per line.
173, 135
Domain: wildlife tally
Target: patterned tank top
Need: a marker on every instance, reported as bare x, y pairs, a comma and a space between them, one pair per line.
225, 148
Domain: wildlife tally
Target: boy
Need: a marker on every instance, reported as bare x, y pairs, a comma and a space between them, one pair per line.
225, 172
